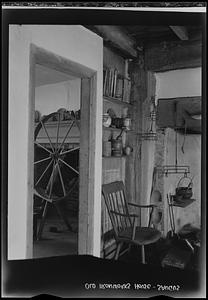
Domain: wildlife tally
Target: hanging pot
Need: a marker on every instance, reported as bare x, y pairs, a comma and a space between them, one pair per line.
184, 192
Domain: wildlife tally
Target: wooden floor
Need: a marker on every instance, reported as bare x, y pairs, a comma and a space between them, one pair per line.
56, 239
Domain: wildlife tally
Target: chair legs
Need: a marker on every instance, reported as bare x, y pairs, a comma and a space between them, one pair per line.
143, 254
42, 222
129, 248
118, 250
63, 216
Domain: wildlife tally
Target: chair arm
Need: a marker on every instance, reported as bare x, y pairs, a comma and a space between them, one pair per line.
118, 213
124, 215
138, 205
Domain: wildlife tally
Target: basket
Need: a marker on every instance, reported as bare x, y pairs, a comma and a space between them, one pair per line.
184, 192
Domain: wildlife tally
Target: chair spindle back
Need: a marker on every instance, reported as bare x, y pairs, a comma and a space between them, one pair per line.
115, 200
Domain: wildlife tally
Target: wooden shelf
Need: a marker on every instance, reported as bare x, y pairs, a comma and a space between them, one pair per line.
62, 123
110, 157
117, 129
116, 101
112, 129
182, 203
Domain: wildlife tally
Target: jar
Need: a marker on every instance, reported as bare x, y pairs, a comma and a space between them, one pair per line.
128, 150
127, 123
106, 120
37, 116
62, 112
117, 147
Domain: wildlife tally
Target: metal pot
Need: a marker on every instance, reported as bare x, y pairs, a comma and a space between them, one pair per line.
184, 192
117, 122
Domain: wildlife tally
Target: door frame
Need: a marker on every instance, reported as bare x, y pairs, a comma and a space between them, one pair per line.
88, 143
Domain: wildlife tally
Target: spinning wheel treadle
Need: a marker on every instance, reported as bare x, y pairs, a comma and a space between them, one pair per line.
56, 167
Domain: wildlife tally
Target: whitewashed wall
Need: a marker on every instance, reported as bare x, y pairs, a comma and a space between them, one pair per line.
172, 84
49, 98
179, 83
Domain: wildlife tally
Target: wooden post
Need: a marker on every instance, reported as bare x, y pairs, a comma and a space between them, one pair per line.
133, 164
84, 162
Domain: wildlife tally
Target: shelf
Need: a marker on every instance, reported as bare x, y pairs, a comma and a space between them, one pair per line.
182, 203
117, 101
62, 123
112, 157
117, 129
113, 129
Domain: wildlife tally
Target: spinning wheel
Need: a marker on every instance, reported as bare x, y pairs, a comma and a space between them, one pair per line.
56, 167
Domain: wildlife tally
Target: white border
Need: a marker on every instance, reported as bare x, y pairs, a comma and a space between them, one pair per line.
152, 9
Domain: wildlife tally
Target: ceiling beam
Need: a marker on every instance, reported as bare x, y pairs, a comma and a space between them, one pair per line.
118, 38
181, 32
170, 56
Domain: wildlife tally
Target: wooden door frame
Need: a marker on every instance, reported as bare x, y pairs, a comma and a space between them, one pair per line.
87, 139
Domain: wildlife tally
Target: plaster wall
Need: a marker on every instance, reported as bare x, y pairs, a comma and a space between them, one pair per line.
79, 45
172, 84
192, 158
179, 83
51, 97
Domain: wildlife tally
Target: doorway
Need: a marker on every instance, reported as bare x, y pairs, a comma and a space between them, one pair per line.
56, 163
83, 79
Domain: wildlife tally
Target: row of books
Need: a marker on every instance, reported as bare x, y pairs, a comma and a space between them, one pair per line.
115, 85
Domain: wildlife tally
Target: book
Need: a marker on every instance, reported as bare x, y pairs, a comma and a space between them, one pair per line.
111, 81
105, 71
119, 88
115, 82
115, 85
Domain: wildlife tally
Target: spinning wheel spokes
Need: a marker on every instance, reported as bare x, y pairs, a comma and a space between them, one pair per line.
70, 150
68, 166
70, 127
39, 161
36, 183
61, 178
41, 146
51, 142
50, 182
47, 135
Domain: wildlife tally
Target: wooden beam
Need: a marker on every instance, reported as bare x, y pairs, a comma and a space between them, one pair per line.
54, 61
181, 32
170, 56
118, 38
133, 162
